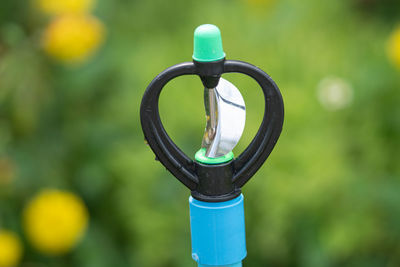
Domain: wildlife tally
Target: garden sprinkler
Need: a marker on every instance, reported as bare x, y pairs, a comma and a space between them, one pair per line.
215, 177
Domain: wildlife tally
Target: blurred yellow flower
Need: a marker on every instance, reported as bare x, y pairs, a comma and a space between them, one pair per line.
393, 47
10, 249
55, 220
57, 7
73, 38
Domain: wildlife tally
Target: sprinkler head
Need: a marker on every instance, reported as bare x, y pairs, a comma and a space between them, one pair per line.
215, 175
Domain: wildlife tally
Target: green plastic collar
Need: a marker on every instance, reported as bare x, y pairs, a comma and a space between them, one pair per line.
207, 44
200, 156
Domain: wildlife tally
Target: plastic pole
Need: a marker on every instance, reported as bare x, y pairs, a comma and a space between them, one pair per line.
218, 232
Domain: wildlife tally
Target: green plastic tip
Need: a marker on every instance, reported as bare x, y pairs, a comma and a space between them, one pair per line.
207, 44
200, 156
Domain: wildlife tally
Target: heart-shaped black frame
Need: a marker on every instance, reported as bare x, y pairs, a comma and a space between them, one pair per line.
185, 169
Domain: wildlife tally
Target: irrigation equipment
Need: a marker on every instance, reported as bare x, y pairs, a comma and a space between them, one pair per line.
215, 177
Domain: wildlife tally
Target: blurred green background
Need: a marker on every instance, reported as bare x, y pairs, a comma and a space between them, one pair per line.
329, 195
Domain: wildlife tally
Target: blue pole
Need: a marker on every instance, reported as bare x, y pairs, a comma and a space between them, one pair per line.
218, 232
239, 264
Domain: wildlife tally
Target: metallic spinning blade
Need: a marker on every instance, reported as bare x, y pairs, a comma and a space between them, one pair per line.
226, 116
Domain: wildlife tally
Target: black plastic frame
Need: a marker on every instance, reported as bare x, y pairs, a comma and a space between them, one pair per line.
185, 169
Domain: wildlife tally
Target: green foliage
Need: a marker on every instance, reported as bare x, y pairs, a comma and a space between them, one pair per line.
328, 195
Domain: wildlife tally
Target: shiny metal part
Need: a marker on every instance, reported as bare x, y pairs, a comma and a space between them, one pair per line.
226, 116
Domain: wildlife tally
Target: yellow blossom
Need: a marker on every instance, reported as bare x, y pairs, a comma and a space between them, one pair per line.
57, 7
73, 38
10, 249
55, 220
393, 47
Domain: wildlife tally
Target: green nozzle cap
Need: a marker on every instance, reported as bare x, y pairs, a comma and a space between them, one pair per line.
207, 43
201, 157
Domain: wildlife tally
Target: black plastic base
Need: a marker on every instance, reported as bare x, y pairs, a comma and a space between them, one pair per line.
220, 198
214, 180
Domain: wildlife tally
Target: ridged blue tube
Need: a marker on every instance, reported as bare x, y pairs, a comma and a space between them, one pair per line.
218, 232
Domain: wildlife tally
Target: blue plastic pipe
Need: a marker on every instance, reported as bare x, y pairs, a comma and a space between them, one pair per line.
218, 232
239, 264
